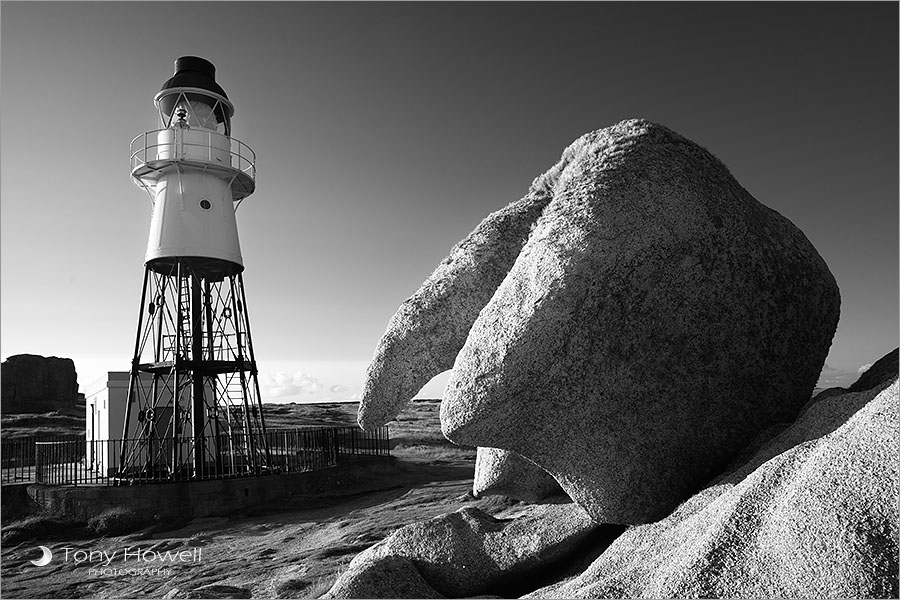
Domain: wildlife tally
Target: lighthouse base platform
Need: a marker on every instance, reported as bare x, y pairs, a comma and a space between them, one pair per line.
161, 503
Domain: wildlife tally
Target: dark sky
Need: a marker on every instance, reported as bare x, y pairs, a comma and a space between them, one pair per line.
386, 132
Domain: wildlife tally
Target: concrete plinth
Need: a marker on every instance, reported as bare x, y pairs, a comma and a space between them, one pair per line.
192, 499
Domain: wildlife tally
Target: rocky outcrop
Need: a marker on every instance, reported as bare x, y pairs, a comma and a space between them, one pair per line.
429, 328
657, 318
504, 473
813, 514
35, 384
371, 576
882, 370
464, 553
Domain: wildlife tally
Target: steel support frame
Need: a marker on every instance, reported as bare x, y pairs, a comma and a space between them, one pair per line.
193, 344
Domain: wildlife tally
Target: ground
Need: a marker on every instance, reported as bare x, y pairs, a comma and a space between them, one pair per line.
288, 551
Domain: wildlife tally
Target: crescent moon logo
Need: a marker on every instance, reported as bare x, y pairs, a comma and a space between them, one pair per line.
44, 560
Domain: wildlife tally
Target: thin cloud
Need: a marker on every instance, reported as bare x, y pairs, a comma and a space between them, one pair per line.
303, 387
832, 377
283, 384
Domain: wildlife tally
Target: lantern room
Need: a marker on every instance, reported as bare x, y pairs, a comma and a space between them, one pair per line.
193, 95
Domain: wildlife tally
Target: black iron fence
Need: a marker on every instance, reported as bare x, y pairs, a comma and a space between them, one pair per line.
17, 457
77, 461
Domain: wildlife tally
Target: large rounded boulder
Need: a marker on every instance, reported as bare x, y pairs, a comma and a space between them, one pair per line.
656, 319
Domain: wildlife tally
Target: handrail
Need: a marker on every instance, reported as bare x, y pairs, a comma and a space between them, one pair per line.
242, 157
81, 460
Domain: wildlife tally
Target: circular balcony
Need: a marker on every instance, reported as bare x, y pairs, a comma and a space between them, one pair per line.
155, 152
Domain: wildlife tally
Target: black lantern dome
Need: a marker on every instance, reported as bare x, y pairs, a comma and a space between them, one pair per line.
195, 73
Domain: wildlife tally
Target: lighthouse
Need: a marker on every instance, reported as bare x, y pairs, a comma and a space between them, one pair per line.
193, 407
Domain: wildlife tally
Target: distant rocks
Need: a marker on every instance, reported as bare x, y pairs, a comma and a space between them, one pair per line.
35, 384
813, 514
463, 554
504, 473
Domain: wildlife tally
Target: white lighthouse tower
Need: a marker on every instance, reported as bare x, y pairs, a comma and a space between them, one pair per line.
193, 409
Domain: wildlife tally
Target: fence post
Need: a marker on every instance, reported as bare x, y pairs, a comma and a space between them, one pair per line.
335, 446
37, 465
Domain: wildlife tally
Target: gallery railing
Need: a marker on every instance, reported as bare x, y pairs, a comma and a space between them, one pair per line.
81, 461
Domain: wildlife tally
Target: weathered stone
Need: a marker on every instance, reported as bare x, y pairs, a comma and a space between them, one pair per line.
464, 553
504, 473
426, 333
657, 318
381, 577
35, 384
813, 514
882, 370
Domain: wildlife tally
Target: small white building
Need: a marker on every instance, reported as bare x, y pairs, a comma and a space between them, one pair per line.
105, 401
105, 406
104, 418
